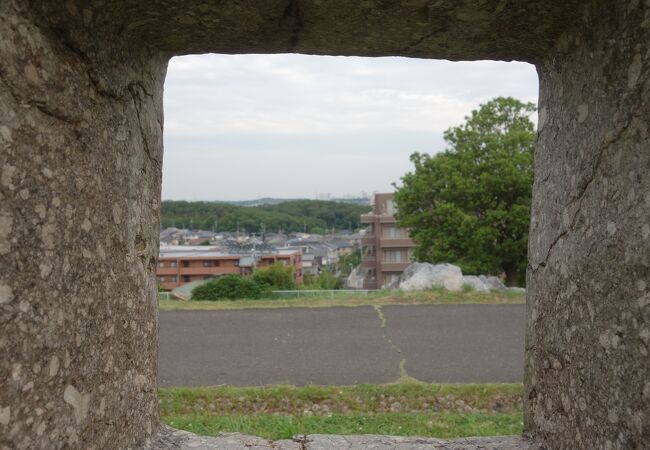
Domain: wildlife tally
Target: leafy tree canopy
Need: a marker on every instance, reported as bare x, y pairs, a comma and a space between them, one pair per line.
470, 205
275, 277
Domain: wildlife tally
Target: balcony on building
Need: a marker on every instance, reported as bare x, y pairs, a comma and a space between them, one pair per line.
370, 284
394, 266
167, 271
390, 242
209, 270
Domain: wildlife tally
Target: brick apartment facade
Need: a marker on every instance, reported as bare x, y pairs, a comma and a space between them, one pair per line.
177, 266
387, 248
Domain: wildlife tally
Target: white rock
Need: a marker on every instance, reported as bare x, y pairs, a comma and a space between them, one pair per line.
493, 282
516, 289
355, 279
477, 283
422, 276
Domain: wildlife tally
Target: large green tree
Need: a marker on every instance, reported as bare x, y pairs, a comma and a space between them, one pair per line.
470, 205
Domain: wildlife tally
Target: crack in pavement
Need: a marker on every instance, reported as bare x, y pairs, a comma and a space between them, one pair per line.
404, 377
380, 314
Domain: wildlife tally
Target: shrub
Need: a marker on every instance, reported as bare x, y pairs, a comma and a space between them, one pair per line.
275, 277
327, 280
229, 287
309, 281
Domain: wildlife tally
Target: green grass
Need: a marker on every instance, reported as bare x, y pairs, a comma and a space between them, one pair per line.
379, 298
280, 412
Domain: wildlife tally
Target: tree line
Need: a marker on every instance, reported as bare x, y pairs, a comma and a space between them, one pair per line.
312, 216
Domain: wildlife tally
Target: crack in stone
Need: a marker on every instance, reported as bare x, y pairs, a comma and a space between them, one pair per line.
85, 59
417, 42
582, 192
293, 16
45, 109
38, 104
55, 113
301, 440
92, 75
143, 134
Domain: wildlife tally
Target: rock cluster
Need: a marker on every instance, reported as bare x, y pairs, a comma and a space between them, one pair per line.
486, 283
423, 276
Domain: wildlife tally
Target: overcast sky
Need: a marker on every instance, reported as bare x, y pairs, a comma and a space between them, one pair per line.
250, 126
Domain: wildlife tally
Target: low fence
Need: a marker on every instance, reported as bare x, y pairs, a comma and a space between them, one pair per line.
165, 296
321, 292
289, 294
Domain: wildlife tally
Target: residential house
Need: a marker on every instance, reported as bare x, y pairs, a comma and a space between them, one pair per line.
185, 264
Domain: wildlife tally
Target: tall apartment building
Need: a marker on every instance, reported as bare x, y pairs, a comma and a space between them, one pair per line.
387, 248
177, 266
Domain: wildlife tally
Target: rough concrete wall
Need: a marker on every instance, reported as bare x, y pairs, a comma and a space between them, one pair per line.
80, 171
451, 29
588, 336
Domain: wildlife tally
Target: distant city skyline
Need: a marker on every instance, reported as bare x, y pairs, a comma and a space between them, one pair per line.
245, 127
325, 196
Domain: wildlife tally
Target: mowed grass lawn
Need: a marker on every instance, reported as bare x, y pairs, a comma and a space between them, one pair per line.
378, 298
281, 412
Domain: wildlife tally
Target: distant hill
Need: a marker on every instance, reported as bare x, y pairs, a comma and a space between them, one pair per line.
276, 201
314, 216
262, 201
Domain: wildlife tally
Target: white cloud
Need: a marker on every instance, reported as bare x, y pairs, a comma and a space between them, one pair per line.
356, 118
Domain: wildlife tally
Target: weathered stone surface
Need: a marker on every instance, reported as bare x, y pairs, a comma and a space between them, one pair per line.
423, 276
80, 153
80, 174
328, 442
588, 331
168, 439
472, 29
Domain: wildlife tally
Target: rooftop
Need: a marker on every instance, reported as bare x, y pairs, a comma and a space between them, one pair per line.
188, 251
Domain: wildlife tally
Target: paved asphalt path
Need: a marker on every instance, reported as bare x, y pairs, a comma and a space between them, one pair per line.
434, 343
